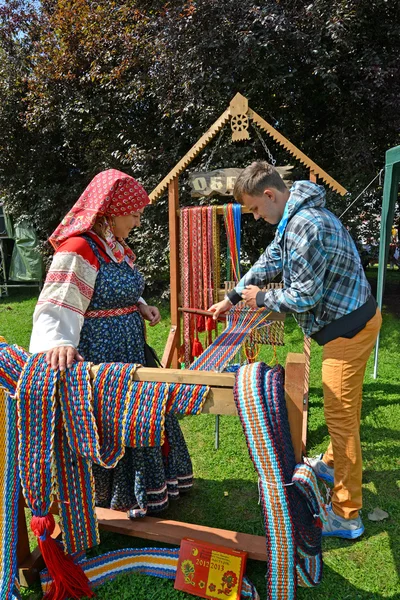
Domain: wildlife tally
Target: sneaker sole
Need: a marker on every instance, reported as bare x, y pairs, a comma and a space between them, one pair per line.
325, 477
345, 533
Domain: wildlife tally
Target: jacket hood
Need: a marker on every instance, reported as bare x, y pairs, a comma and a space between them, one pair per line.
303, 194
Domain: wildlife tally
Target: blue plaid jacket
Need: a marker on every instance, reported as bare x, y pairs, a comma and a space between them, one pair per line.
323, 278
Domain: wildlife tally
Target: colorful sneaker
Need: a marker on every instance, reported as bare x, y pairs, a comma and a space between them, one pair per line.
335, 526
320, 468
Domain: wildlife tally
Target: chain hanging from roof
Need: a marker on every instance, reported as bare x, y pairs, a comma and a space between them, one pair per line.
271, 159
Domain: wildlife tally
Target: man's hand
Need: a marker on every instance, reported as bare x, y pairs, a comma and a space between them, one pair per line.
220, 308
249, 295
62, 357
150, 313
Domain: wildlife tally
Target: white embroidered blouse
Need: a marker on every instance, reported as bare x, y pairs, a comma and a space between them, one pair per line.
66, 294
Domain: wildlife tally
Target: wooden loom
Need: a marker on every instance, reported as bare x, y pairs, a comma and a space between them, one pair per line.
220, 400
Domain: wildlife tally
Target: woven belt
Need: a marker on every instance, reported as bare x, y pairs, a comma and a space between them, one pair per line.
159, 562
292, 504
111, 312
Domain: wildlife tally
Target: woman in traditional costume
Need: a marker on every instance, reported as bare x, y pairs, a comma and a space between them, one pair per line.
91, 309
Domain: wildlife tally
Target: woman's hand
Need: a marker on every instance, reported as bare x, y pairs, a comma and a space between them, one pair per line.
62, 357
150, 313
220, 308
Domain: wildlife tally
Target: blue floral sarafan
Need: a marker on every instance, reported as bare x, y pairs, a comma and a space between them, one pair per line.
145, 478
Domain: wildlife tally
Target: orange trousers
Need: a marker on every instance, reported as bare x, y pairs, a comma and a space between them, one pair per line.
343, 368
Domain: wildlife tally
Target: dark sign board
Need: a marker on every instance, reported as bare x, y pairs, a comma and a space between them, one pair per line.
222, 181
214, 183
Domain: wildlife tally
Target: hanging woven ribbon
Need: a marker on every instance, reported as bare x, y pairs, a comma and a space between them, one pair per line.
185, 400
292, 505
159, 562
185, 284
241, 321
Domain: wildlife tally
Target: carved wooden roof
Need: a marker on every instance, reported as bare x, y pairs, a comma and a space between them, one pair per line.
205, 139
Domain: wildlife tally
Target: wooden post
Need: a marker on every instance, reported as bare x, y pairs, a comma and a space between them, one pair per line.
170, 347
173, 342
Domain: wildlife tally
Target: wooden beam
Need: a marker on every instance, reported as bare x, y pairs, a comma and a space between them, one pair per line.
170, 347
210, 378
303, 158
172, 532
189, 156
174, 268
313, 176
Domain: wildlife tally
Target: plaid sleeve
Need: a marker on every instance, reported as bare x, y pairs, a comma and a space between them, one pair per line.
266, 268
307, 268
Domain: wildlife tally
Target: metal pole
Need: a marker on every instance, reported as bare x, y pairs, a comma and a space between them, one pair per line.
216, 432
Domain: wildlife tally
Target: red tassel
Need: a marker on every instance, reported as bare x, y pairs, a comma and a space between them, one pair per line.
318, 522
165, 448
210, 324
197, 348
69, 580
200, 324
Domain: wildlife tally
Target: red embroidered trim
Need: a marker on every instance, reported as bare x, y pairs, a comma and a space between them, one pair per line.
62, 277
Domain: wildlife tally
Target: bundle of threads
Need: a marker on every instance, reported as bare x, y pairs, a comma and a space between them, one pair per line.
65, 423
292, 505
232, 220
241, 322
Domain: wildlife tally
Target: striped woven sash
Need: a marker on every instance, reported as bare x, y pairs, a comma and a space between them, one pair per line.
9, 492
291, 502
159, 562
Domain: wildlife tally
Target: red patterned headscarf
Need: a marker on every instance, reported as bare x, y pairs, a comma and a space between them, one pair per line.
110, 194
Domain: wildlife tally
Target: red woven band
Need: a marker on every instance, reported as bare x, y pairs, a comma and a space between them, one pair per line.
111, 312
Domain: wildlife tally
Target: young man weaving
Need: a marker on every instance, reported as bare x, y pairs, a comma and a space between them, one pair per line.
325, 288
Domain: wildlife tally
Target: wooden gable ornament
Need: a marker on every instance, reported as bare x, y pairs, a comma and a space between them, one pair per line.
240, 115
239, 120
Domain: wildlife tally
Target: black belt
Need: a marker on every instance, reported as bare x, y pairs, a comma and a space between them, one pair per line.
347, 326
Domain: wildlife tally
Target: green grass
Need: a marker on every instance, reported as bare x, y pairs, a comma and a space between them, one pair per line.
225, 491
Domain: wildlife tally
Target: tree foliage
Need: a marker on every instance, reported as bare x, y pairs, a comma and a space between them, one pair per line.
132, 84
